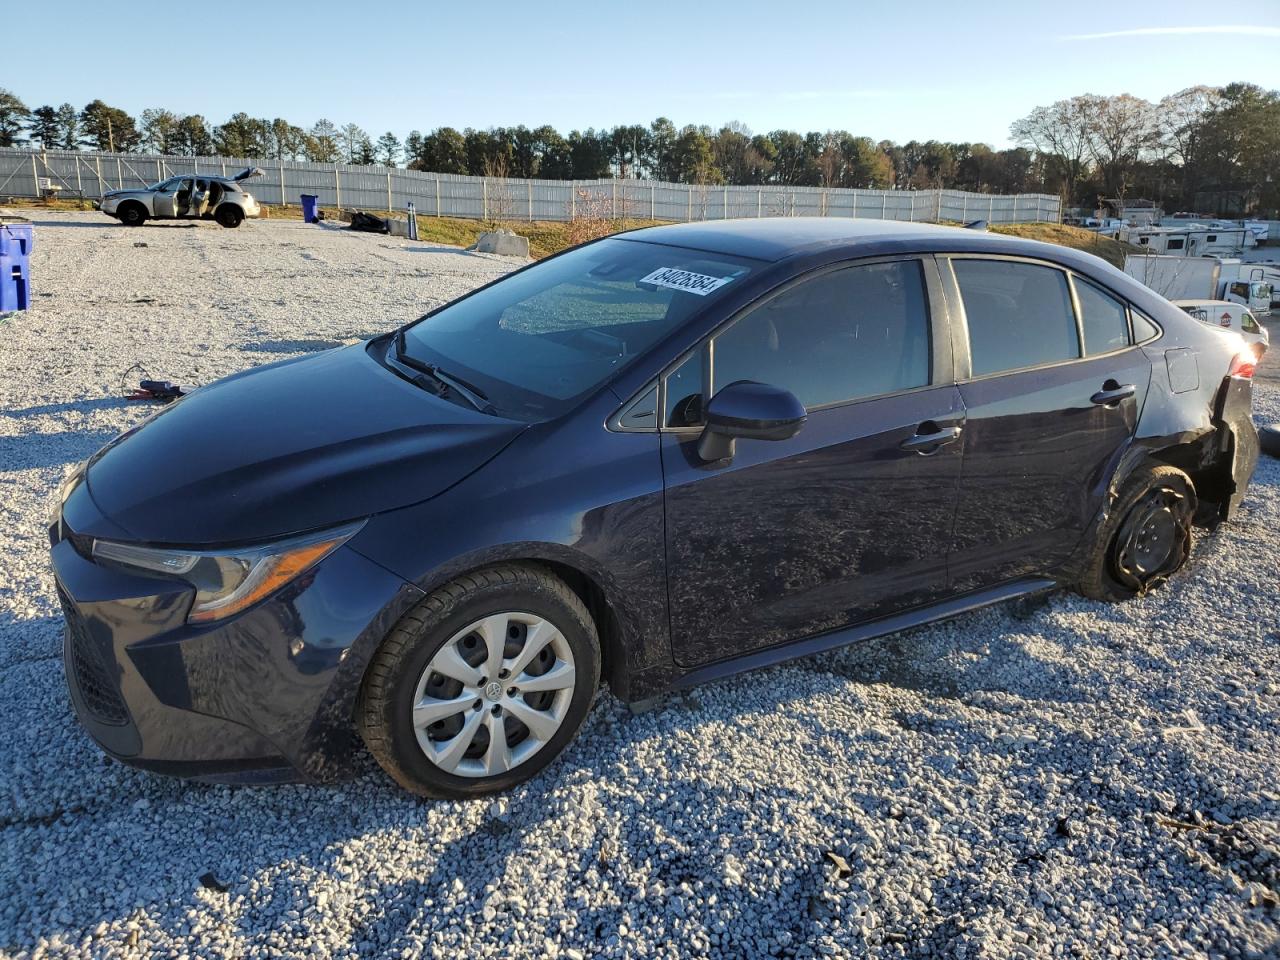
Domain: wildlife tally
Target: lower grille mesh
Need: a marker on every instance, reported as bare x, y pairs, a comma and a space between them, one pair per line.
96, 685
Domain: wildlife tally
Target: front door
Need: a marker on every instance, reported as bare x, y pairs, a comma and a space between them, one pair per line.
1056, 389
848, 520
165, 201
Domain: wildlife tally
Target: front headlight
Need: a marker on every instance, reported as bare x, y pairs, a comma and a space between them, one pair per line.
228, 581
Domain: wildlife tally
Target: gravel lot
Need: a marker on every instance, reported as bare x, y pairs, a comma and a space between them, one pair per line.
1055, 778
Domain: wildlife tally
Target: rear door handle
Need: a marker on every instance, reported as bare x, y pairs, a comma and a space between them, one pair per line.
929, 442
1111, 395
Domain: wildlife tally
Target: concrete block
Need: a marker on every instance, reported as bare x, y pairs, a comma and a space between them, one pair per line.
503, 242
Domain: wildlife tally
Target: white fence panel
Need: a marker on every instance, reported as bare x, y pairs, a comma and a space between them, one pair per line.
90, 175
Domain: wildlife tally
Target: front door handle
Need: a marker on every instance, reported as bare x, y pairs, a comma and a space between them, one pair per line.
928, 441
1112, 393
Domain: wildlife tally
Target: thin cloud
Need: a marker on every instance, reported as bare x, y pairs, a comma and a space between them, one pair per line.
1247, 31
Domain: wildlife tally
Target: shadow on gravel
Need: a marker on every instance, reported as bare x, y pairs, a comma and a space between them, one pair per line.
97, 403
35, 450
465, 253
291, 346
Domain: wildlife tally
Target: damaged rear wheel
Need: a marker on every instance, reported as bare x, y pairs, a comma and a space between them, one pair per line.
1146, 537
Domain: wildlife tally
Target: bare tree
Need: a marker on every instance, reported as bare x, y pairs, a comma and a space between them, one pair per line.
1060, 130
1121, 130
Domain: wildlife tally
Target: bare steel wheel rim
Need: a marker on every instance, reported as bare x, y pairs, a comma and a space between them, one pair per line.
494, 694
1154, 539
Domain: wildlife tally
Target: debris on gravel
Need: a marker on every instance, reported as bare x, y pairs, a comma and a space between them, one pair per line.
1064, 778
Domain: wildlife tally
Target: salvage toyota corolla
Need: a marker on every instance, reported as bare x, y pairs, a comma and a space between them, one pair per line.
652, 460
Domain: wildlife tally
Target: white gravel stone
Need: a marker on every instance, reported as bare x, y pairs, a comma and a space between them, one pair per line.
998, 786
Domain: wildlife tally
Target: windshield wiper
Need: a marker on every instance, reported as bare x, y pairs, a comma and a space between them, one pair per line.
469, 392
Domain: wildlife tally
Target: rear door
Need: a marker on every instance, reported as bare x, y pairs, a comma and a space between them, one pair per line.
850, 519
1052, 399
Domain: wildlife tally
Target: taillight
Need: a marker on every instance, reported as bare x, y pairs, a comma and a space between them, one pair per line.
1242, 365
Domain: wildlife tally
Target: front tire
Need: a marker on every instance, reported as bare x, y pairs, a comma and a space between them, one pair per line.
482, 684
132, 215
1146, 537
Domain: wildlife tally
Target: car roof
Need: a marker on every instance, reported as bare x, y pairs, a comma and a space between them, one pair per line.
777, 238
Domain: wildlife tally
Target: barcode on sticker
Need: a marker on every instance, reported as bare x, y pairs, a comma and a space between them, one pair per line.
676, 279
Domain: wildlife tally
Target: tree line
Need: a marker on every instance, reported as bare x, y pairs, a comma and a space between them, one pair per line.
1198, 147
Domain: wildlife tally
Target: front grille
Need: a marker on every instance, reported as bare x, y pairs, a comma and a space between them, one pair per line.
95, 682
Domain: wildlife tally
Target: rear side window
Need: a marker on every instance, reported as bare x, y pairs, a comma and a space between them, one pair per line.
1104, 318
1019, 314
856, 332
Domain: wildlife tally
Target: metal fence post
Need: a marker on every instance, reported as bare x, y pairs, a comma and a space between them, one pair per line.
35, 178
437, 196
529, 184
573, 200
337, 185
912, 214
964, 208
652, 205
759, 202
613, 207
484, 188
688, 214
79, 188
284, 200
725, 215
388, 189
98, 164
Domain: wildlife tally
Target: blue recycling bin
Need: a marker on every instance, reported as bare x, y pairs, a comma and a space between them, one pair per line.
309, 208
16, 240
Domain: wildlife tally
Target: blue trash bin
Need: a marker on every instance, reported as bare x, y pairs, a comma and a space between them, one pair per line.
16, 240
309, 208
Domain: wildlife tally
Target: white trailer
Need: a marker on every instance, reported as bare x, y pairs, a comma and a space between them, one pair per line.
1192, 241
1201, 278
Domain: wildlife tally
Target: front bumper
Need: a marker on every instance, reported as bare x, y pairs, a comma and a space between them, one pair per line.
267, 696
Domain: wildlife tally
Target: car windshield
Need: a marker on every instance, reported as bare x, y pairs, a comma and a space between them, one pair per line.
536, 341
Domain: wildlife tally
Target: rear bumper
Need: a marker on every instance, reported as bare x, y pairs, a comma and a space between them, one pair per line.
266, 697
1234, 412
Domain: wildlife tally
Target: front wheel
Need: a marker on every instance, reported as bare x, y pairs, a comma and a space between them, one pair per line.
1146, 537
132, 215
482, 684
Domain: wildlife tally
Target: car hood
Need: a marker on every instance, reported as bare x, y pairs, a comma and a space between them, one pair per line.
289, 447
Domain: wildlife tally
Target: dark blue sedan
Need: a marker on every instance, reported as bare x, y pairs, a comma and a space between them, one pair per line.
649, 461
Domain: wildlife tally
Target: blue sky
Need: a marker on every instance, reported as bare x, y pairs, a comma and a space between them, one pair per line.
958, 70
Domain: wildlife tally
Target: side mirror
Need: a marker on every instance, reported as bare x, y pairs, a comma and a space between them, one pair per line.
749, 411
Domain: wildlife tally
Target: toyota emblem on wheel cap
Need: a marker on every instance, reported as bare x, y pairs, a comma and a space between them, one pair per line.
493, 690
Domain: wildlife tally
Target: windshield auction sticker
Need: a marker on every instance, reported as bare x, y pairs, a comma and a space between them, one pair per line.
676, 279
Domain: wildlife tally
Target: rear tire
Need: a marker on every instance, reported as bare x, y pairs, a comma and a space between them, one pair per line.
132, 214
229, 216
1146, 537
440, 691
1269, 439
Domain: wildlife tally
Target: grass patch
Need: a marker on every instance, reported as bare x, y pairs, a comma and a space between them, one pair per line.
1113, 251
545, 236
549, 236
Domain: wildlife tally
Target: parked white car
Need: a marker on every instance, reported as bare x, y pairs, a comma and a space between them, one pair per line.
199, 197
1235, 317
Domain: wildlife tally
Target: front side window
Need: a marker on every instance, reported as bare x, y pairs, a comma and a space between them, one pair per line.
538, 340
856, 332
1104, 318
1019, 314
1248, 324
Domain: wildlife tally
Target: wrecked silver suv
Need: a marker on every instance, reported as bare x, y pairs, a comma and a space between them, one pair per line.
192, 196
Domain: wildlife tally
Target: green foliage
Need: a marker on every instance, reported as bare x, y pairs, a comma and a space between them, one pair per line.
13, 117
